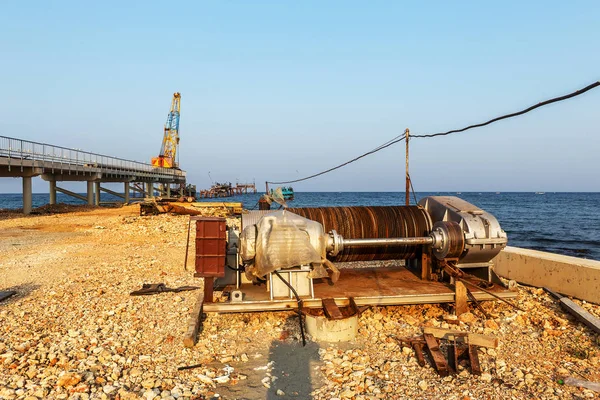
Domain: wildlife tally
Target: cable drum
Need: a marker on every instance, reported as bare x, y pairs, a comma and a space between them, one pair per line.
372, 222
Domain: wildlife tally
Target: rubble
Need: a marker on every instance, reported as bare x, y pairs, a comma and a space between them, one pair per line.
73, 331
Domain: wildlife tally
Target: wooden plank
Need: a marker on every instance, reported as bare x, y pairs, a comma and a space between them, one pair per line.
460, 298
471, 338
436, 355
582, 315
426, 264
230, 204
474, 360
209, 283
418, 348
191, 335
331, 309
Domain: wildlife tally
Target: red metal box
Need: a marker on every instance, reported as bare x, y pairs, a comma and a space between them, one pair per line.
211, 243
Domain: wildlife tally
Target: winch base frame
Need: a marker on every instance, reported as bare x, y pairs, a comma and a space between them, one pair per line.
385, 286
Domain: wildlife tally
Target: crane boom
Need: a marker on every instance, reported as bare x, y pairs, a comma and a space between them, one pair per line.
170, 143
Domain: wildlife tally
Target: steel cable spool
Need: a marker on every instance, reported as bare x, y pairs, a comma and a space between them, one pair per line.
372, 222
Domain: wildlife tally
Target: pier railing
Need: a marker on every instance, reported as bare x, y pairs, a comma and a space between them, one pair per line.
22, 152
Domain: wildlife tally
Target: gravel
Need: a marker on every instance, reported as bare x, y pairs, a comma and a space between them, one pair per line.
73, 331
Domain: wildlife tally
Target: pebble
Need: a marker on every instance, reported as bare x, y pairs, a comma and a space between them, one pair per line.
112, 345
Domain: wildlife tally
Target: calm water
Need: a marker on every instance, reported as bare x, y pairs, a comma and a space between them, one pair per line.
565, 223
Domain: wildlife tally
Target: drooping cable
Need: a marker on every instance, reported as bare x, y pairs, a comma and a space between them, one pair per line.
383, 146
401, 137
515, 114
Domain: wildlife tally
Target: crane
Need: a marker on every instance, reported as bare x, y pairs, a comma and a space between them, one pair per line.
170, 143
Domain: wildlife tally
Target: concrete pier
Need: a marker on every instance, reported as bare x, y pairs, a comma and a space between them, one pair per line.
52, 192
149, 189
25, 159
570, 276
126, 191
97, 193
90, 193
27, 195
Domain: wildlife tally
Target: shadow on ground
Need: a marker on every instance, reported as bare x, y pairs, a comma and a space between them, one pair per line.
296, 369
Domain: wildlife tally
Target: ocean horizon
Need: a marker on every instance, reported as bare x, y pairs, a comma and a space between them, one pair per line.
559, 222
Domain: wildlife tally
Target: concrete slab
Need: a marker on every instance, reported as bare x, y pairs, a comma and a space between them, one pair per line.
570, 276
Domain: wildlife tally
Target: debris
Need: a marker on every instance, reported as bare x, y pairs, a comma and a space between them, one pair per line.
222, 379
436, 355
578, 312
5, 294
183, 368
595, 386
472, 338
155, 288
191, 335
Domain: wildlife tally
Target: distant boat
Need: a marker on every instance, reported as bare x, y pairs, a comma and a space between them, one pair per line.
497, 192
458, 192
540, 192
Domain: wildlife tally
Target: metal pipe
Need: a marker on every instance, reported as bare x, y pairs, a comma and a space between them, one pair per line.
375, 242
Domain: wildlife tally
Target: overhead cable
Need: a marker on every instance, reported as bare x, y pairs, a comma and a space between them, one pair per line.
400, 138
543, 103
383, 146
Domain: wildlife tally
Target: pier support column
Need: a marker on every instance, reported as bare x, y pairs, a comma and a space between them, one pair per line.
126, 192
168, 190
52, 192
27, 195
90, 193
97, 193
150, 189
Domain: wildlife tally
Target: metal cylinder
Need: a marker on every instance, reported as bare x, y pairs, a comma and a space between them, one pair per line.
375, 222
387, 242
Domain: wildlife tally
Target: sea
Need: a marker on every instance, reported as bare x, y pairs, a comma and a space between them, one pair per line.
563, 223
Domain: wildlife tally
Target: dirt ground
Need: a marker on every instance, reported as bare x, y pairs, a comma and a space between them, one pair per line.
73, 330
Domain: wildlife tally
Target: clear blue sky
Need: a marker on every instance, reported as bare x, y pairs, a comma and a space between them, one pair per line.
279, 89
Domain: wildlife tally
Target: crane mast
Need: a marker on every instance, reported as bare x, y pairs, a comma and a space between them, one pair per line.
170, 143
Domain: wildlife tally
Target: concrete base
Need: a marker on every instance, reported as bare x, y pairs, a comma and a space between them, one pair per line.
323, 330
570, 276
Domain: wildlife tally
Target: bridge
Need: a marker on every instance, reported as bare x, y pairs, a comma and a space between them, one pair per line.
25, 159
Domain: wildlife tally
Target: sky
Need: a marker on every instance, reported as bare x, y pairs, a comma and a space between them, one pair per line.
278, 90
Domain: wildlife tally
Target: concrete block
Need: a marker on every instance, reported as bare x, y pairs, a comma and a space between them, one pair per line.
570, 276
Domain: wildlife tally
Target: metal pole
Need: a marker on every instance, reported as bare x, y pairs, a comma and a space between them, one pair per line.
267, 186
407, 133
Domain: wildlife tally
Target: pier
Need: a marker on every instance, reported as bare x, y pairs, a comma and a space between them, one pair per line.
227, 190
25, 159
